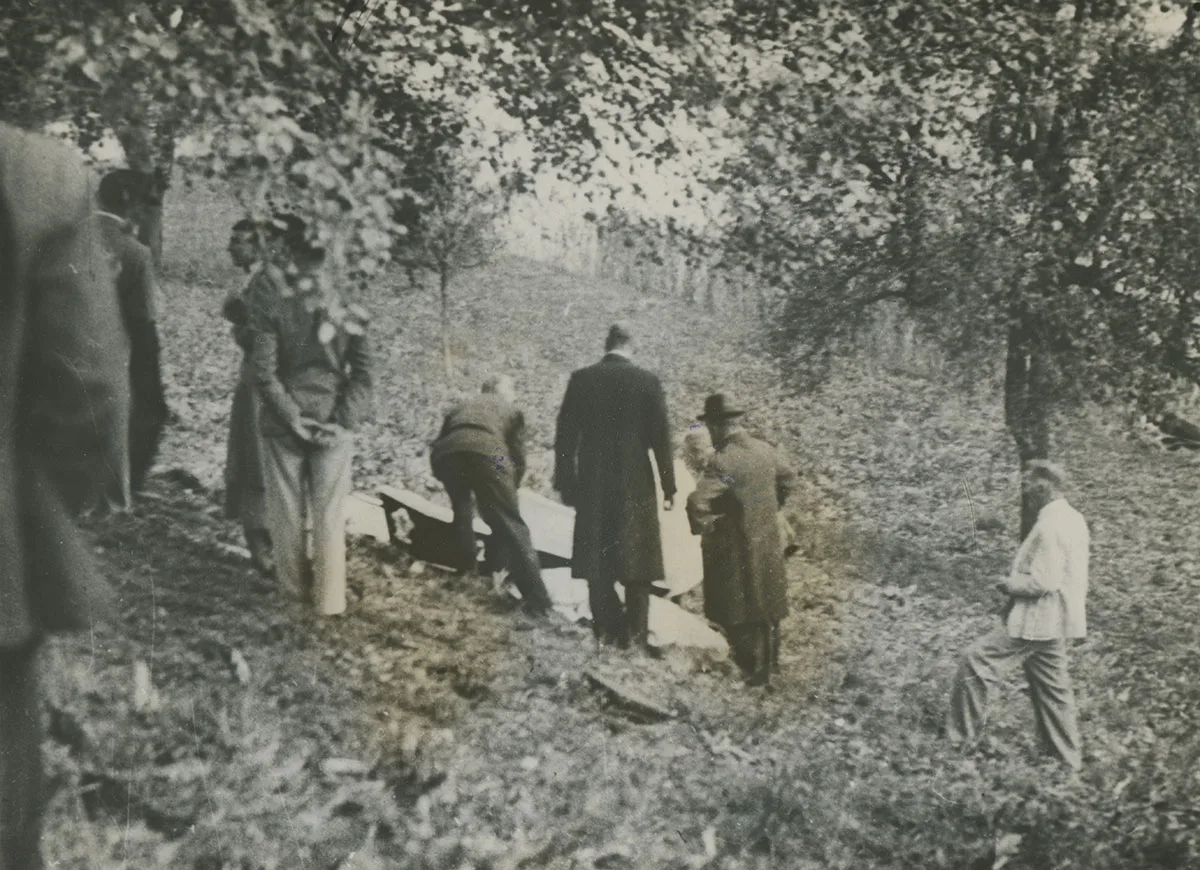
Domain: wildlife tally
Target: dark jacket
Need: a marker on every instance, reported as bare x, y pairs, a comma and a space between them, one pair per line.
64, 388
136, 295
735, 507
613, 414
243, 454
298, 375
488, 425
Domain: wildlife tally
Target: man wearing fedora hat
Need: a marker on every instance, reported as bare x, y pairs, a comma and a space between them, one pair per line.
613, 414
736, 509
1046, 593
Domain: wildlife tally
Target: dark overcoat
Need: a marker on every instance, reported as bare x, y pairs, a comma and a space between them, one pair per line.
136, 294
64, 388
244, 487
735, 507
613, 414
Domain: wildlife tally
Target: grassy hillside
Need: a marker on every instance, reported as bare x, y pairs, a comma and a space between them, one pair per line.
216, 727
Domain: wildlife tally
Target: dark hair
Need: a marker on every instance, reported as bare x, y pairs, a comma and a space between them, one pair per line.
245, 225
618, 336
1051, 472
294, 233
121, 189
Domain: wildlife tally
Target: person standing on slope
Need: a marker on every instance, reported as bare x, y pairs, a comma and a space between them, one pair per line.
613, 414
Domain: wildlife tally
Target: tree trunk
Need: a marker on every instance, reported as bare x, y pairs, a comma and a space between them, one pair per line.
1027, 407
444, 291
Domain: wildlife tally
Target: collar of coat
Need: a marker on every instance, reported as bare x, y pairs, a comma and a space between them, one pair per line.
740, 436
616, 356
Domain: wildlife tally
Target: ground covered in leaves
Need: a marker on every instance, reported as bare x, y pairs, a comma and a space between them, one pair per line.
216, 726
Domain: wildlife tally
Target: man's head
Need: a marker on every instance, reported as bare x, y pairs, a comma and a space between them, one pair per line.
1044, 481
127, 193
722, 416
619, 340
502, 386
243, 243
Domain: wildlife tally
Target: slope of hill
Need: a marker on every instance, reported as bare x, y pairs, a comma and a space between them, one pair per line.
216, 727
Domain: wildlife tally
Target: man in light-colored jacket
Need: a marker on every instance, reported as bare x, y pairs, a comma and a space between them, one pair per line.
1047, 587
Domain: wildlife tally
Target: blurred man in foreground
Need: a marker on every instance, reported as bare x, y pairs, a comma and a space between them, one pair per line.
736, 509
1047, 589
64, 403
480, 452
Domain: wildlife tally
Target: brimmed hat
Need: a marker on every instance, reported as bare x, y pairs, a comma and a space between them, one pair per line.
720, 406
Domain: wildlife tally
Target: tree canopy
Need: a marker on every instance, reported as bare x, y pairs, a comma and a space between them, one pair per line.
1014, 176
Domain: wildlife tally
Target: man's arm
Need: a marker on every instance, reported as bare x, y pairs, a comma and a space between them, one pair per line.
355, 402
1039, 571
566, 443
701, 504
785, 479
264, 360
235, 311
660, 441
515, 440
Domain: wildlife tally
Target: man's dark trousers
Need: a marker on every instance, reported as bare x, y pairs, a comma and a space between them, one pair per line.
472, 477
20, 759
612, 622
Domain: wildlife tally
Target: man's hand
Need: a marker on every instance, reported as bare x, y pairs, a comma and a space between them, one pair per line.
669, 503
327, 434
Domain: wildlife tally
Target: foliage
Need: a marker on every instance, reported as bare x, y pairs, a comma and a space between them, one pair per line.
338, 111
1005, 182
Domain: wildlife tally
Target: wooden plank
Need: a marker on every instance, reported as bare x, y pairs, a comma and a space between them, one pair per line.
551, 525
628, 698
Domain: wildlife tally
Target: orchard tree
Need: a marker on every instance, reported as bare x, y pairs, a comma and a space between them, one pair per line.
330, 105
451, 218
996, 175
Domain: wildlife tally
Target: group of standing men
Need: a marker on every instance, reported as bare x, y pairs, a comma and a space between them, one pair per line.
613, 418
82, 403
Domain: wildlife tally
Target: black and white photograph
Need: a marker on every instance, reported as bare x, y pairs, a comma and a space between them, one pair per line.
599, 434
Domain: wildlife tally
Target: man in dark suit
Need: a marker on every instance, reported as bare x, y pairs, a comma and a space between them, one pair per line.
64, 403
121, 204
480, 451
736, 509
613, 414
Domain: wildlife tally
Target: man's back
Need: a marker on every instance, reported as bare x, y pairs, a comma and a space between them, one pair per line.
486, 424
613, 413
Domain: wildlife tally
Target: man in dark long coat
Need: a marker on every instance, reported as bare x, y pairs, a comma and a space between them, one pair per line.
736, 509
121, 205
64, 407
613, 414
479, 456
245, 490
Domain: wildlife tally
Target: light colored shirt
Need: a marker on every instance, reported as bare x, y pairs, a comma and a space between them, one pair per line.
1049, 577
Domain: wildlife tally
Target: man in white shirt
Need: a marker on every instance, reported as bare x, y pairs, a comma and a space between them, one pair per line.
1048, 591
